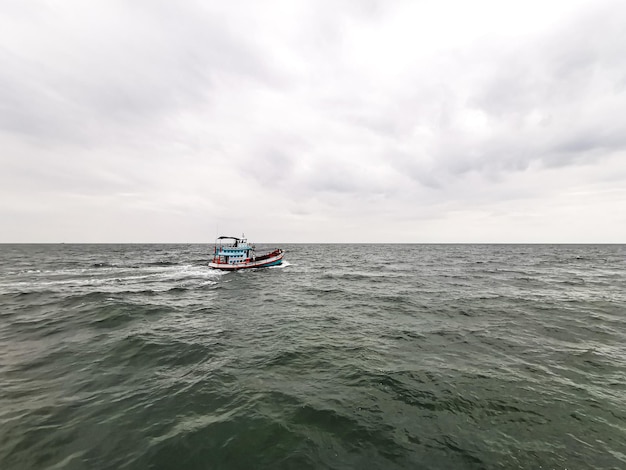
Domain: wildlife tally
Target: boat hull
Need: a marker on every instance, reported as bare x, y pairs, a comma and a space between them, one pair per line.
264, 263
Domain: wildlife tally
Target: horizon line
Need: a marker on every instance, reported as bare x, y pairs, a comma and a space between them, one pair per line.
318, 243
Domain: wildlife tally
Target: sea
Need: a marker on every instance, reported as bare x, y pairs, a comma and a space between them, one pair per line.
347, 356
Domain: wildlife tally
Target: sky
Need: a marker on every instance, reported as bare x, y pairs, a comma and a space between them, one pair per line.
304, 121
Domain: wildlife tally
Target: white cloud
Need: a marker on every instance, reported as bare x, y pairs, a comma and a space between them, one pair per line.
313, 121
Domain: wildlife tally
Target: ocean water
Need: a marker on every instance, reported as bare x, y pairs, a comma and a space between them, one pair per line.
347, 357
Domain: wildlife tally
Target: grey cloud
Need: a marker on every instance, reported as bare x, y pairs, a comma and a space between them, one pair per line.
538, 97
316, 111
104, 75
271, 167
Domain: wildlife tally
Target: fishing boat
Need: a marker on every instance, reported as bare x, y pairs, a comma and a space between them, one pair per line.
232, 254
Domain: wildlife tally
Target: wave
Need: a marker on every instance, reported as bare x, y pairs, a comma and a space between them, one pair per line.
445, 363
103, 265
161, 263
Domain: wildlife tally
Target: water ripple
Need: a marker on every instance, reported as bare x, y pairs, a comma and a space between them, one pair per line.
394, 356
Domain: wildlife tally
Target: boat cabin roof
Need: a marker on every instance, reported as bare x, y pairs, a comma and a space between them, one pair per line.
240, 245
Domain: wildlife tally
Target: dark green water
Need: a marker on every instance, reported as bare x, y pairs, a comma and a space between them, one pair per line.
349, 357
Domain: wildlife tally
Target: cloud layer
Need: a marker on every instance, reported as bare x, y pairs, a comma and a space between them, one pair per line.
313, 121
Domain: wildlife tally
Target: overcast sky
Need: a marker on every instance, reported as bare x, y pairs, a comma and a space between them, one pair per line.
313, 121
